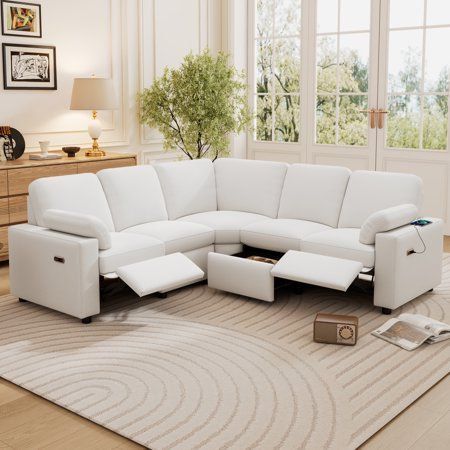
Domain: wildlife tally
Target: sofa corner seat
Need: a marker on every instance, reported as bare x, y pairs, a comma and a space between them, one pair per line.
227, 225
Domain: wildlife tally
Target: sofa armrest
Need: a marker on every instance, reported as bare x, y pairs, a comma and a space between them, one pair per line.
79, 224
386, 220
53, 269
408, 263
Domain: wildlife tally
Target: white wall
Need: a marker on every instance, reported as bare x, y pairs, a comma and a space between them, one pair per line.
130, 41
235, 35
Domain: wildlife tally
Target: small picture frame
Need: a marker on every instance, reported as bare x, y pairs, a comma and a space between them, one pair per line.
31, 67
21, 19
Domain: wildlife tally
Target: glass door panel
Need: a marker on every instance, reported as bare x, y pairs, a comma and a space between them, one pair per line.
278, 65
344, 81
417, 74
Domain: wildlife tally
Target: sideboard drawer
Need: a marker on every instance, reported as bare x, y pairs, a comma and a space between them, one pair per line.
4, 212
19, 179
4, 240
95, 166
18, 209
3, 183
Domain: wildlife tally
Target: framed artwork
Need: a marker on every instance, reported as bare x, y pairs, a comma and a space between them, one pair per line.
29, 66
21, 19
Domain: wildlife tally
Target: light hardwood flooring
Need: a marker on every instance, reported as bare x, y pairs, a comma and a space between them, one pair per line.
30, 422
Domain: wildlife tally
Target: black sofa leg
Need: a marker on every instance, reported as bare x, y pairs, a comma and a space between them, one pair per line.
431, 290
298, 289
22, 300
386, 311
86, 320
161, 294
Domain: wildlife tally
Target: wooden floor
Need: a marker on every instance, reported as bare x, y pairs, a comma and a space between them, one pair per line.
30, 422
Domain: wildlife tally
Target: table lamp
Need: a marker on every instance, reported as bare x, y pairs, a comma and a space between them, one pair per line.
93, 94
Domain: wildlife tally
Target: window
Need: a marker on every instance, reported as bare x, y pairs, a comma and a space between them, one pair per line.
277, 80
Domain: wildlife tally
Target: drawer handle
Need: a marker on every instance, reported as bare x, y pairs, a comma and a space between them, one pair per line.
59, 259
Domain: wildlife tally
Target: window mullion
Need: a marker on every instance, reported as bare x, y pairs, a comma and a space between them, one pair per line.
338, 73
422, 77
272, 71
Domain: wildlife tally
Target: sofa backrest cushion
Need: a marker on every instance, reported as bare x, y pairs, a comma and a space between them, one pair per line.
80, 193
369, 192
189, 187
313, 192
134, 195
249, 186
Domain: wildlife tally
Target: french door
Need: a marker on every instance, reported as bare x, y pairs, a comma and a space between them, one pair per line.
358, 83
344, 80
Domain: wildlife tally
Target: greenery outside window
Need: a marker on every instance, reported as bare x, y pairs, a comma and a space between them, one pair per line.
277, 90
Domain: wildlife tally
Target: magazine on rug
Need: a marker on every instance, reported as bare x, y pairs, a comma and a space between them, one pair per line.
410, 331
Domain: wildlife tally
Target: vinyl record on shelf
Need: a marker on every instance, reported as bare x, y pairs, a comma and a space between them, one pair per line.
13, 143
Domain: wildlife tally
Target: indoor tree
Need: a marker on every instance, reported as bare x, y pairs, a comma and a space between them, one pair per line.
196, 106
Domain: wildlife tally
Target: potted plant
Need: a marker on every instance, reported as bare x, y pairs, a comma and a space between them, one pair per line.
196, 106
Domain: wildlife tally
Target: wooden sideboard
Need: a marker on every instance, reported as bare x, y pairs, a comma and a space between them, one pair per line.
15, 176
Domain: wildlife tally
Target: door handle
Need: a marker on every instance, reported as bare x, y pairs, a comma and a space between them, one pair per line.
380, 117
371, 113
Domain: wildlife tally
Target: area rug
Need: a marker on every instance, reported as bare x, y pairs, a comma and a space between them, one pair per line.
204, 369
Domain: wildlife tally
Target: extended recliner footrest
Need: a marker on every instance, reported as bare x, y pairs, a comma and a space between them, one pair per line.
319, 270
160, 274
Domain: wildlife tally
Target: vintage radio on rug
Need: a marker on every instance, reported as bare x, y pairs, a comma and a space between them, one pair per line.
335, 329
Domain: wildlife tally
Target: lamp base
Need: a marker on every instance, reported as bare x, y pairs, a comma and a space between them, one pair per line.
95, 151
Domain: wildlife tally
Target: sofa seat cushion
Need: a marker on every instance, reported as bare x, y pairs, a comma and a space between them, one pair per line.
128, 248
279, 235
177, 236
340, 243
226, 224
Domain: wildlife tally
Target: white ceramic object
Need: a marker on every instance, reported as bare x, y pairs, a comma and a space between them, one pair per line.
44, 147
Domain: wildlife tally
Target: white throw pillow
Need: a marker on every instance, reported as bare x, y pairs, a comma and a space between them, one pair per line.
385, 220
80, 224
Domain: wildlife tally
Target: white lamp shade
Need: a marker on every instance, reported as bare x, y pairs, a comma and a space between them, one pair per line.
93, 94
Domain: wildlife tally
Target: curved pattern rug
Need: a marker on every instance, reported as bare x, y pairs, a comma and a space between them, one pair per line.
204, 369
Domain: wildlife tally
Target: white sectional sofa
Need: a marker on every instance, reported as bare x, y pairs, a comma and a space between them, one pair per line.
85, 226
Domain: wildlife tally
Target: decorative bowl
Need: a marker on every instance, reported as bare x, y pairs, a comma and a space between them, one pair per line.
71, 151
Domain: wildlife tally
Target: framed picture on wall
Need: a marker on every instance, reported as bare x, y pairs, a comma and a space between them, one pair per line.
21, 19
29, 66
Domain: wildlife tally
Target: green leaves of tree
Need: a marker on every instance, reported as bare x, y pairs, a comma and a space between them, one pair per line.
196, 106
